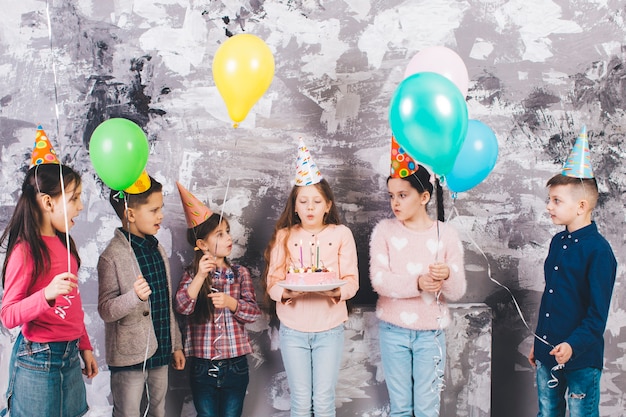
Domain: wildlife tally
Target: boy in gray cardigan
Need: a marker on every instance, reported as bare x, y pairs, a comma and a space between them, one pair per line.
142, 336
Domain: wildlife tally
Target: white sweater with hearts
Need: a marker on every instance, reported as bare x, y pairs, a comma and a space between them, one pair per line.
398, 256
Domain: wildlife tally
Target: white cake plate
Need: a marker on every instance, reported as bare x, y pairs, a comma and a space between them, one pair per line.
312, 288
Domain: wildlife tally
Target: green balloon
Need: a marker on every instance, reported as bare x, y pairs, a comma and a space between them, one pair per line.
428, 117
118, 150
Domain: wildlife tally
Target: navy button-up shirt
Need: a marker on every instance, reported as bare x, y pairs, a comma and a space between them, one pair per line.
580, 272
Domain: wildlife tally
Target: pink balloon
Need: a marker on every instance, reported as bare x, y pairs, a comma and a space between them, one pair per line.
443, 61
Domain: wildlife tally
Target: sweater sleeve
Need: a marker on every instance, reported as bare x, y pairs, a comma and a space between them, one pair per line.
276, 268
19, 307
455, 286
384, 281
112, 305
348, 264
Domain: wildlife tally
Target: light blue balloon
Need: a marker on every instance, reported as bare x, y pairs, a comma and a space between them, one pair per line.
428, 117
476, 159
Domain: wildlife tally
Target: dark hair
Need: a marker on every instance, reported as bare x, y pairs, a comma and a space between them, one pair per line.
132, 200
204, 308
287, 220
420, 180
24, 225
587, 185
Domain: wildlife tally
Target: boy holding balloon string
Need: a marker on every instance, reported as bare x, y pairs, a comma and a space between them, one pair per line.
135, 301
580, 272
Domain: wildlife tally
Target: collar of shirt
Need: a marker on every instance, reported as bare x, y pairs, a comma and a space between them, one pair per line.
139, 242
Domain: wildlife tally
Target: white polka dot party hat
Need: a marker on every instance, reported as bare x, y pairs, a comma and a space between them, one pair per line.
307, 172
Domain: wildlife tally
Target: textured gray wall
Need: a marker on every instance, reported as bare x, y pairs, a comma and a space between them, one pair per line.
539, 69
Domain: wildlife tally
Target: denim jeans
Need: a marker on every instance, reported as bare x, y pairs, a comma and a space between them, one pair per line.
219, 386
134, 390
582, 387
46, 380
312, 361
413, 362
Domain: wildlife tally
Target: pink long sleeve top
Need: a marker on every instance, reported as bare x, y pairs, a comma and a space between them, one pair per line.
337, 251
398, 255
24, 302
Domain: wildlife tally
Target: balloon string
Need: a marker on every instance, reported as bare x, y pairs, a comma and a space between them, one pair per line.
517, 306
56, 112
54, 70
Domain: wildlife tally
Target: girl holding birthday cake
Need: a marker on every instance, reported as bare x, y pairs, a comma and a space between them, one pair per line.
308, 239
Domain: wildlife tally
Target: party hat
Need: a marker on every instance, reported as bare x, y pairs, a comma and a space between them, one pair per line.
141, 185
307, 172
43, 152
195, 211
402, 165
578, 162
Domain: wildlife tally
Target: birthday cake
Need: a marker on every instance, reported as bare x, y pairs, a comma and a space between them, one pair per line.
310, 276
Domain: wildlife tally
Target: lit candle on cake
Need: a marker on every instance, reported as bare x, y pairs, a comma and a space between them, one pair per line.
301, 260
317, 258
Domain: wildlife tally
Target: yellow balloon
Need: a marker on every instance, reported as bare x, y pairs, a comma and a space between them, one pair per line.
243, 68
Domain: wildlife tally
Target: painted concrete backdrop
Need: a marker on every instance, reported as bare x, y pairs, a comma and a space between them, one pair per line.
539, 69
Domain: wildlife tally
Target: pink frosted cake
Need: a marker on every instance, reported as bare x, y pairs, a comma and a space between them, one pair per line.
308, 276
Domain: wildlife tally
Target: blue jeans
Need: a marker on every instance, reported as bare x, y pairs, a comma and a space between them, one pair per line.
413, 362
46, 380
312, 361
581, 385
219, 386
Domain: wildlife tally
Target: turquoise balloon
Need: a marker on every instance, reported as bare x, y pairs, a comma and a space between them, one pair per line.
476, 159
428, 117
118, 150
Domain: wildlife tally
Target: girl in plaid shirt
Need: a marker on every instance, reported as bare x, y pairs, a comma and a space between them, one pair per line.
216, 299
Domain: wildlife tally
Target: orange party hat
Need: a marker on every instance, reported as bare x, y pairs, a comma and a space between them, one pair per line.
195, 211
402, 165
43, 152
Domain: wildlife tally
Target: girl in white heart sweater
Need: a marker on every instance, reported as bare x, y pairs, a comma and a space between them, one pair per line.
416, 266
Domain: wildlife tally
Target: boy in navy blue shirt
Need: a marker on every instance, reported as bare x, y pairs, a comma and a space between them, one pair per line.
579, 272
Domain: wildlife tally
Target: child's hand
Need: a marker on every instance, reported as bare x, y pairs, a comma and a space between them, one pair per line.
439, 271
531, 357
142, 288
223, 300
61, 284
428, 284
334, 293
91, 366
562, 352
178, 360
207, 264
290, 295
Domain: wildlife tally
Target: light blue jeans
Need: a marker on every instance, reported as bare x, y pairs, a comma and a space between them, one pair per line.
581, 385
46, 380
312, 362
414, 363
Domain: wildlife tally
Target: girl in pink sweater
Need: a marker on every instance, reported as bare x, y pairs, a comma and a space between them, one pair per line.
41, 295
416, 264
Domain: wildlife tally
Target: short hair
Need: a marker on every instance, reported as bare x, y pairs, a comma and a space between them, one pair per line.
587, 188
132, 200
